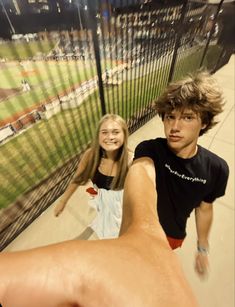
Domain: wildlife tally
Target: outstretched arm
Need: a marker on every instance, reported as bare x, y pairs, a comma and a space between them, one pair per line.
72, 187
140, 198
137, 269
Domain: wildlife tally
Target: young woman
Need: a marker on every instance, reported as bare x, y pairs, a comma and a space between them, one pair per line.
106, 164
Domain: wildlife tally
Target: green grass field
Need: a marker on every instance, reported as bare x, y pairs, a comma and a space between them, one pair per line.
15, 51
47, 79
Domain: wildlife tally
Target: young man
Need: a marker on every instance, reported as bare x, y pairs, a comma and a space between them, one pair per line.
137, 269
187, 176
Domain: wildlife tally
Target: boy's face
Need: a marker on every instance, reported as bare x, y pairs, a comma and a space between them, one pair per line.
182, 128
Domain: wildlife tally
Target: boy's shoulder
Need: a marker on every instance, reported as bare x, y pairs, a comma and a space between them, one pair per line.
156, 141
212, 157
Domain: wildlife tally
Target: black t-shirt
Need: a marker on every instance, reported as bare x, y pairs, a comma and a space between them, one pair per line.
182, 184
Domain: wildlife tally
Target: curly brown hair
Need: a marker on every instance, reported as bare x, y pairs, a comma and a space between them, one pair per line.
199, 93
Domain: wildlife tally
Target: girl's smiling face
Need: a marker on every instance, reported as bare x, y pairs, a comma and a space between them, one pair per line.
111, 135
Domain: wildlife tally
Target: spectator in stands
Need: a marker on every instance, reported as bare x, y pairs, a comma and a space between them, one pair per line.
106, 164
186, 175
137, 269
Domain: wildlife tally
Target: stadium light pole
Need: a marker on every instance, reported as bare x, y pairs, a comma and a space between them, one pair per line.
8, 18
79, 17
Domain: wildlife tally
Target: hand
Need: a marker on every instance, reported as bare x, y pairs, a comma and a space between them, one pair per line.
59, 208
202, 264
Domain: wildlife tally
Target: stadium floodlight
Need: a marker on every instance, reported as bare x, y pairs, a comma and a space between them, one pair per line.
8, 18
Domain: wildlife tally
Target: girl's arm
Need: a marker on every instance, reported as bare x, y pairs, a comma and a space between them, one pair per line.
72, 187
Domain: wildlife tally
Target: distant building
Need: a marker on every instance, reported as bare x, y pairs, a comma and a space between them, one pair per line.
19, 7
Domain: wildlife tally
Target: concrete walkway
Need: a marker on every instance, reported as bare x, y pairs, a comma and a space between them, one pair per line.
218, 289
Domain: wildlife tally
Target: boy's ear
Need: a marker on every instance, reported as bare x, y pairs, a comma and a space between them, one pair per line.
204, 126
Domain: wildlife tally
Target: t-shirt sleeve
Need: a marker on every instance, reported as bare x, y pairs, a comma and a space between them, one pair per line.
221, 180
144, 149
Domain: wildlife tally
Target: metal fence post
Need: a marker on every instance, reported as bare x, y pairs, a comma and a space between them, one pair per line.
93, 9
178, 39
211, 33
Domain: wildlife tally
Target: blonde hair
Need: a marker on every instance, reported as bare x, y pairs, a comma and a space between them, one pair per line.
96, 153
200, 93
